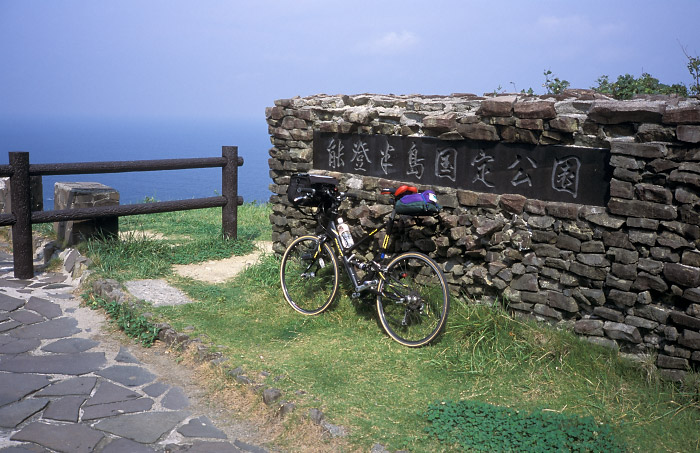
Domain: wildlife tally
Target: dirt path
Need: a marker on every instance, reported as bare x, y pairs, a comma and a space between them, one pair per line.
222, 270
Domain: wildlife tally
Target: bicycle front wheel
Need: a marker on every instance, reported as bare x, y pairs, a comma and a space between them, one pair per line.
413, 299
309, 275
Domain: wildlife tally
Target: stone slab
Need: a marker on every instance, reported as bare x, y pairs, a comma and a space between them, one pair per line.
127, 375
54, 277
213, 447
70, 345
19, 345
122, 407
12, 283
157, 292
156, 389
26, 316
66, 409
15, 413
25, 448
109, 392
124, 356
70, 364
126, 446
248, 447
74, 386
145, 428
54, 328
9, 303
44, 307
9, 325
175, 399
14, 387
71, 438
201, 427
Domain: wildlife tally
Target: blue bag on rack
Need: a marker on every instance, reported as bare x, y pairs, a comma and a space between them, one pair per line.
423, 203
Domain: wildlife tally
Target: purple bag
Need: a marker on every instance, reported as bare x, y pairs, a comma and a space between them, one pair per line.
423, 203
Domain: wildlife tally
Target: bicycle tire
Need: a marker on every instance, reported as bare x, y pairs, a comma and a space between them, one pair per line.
309, 275
413, 299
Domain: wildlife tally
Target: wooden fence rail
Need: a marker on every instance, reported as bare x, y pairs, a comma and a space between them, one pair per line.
21, 219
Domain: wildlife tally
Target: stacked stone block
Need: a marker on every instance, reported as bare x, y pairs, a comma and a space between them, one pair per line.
37, 197
626, 275
74, 195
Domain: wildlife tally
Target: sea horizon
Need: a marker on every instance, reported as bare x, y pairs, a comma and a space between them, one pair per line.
92, 139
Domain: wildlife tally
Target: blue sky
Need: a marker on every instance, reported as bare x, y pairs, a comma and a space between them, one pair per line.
225, 59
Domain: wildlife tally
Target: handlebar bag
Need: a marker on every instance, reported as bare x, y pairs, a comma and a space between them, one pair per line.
423, 203
299, 185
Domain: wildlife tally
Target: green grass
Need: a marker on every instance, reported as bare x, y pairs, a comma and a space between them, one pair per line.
190, 237
342, 362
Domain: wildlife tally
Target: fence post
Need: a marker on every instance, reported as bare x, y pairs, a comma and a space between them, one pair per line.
20, 194
229, 189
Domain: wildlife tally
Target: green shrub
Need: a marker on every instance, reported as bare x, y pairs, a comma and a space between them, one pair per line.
627, 86
477, 426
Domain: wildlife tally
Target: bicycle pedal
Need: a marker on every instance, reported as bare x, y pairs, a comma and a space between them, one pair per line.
355, 295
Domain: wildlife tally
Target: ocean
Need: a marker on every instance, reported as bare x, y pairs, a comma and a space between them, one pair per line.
61, 140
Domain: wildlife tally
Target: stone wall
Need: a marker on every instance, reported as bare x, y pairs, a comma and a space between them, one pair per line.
626, 275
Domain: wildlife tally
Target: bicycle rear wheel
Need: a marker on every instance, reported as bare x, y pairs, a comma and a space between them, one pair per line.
309, 275
413, 299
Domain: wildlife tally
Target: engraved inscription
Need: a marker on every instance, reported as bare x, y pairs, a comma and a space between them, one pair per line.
565, 175
335, 154
360, 156
545, 172
481, 162
415, 162
446, 164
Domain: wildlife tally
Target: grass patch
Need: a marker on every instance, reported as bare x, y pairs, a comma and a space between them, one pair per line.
477, 426
190, 237
342, 362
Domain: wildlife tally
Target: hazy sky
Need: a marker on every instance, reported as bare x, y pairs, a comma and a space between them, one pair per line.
230, 59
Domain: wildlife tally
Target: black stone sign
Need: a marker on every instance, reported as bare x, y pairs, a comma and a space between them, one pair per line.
544, 172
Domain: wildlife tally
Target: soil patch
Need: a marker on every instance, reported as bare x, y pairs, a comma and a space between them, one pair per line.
220, 271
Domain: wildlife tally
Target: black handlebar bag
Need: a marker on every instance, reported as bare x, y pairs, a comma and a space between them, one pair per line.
300, 188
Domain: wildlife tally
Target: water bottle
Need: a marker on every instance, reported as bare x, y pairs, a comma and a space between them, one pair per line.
344, 232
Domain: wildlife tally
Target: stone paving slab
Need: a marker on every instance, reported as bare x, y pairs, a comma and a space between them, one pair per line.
70, 438
66, 409
145, 428
157, 292
61, 390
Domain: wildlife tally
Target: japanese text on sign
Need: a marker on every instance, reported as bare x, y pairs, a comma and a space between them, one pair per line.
545, 172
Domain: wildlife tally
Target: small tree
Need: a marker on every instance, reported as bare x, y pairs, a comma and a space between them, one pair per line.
694, 69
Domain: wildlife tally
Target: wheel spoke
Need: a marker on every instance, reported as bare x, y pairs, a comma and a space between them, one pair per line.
309, 275
414, 300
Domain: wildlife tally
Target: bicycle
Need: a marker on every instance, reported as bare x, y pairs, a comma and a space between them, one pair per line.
412, 296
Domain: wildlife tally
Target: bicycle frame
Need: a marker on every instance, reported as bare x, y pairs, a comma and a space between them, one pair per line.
411, 291
346, 256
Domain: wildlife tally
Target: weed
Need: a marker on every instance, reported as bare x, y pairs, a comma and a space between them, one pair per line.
554, 85
126, 318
